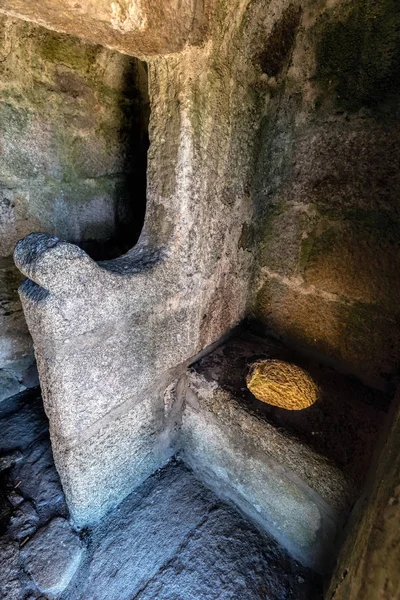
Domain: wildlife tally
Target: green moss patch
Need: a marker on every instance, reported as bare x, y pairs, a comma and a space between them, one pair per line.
280, 43
64, 49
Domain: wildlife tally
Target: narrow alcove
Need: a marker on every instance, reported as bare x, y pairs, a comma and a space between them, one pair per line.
73, 157
74, 125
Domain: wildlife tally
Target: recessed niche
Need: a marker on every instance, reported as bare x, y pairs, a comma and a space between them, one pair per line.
74, 130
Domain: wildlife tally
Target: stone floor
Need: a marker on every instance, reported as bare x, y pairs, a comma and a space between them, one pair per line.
172, 539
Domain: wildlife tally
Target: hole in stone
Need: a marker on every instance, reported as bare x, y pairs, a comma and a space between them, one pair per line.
130, 189
279, 45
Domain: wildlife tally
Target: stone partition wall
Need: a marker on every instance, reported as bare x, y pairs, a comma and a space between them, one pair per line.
73, 142
111, 336
328, 186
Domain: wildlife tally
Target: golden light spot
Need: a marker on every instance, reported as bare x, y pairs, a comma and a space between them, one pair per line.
282, 384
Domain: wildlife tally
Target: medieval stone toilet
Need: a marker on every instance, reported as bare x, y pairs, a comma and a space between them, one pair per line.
137, 354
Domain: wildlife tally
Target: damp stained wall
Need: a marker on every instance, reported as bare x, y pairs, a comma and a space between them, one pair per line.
73, 141
327, 185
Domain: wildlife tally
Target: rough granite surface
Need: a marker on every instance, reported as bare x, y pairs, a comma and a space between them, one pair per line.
241, 459
368, 563
119, 456
342, 426
240, 182
274, 153
326, 226
175, 539
106, 333
30, 490
130, 26
265, 459
73, 137
12, 588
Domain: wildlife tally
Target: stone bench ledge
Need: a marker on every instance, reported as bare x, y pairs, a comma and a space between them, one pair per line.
270, 462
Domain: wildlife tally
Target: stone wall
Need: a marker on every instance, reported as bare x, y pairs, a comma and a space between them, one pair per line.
110, 337
258, 148
134, 27
368, 564
328, 185
73, 127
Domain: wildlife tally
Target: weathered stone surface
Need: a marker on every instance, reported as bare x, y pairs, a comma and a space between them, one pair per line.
23, 522
358, 61
30, 490
106, 332
101, 470
73, 138
283, 238
226, 558
10, 385
170, 536
357, 258
346, 164
143, 534
317, 321
16, 356
327, 187
243, 459
39, 481
73, 120
22, 421
7, 460
130, 26
6, 508
342, 425
19, 375
14, 497
11, 586
174, 538
52, 556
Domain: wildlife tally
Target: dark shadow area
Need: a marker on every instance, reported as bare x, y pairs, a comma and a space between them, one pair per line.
131, 189
280, 43
30, 488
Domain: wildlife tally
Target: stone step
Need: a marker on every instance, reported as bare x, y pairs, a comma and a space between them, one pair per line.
295, 473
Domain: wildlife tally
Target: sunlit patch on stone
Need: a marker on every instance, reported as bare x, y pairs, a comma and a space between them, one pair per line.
282, 384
